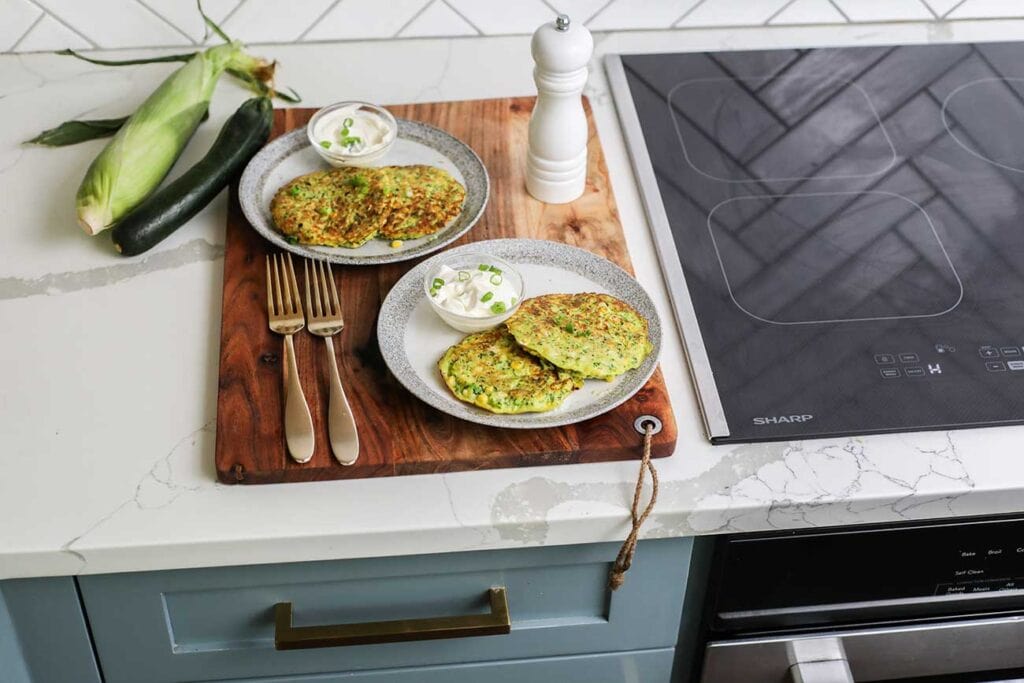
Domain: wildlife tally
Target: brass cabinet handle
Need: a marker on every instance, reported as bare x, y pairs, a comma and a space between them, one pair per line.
288, 637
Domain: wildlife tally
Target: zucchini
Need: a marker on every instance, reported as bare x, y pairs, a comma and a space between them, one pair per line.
172, 206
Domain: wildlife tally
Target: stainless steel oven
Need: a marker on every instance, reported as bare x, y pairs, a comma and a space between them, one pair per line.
924, 602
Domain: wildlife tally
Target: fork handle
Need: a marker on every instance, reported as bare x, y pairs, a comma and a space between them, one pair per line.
341, 426
298, 423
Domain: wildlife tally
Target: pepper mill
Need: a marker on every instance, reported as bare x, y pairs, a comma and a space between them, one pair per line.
556, 163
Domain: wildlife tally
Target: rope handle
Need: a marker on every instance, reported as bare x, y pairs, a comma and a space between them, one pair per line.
624, 560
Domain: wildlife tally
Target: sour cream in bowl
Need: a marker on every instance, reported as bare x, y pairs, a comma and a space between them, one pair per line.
352, 133
475, 292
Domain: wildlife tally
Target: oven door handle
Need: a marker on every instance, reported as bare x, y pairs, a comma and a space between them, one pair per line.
933, 648
818, 660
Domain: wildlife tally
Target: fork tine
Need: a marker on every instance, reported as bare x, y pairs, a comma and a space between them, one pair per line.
316, 288
323, 286
287, 287
309, 299
277, 286
334, 291
297, 309
270, 290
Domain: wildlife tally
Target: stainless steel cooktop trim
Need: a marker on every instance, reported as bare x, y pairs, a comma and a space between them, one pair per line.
715, 424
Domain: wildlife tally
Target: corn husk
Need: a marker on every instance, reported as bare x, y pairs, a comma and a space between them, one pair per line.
142, 152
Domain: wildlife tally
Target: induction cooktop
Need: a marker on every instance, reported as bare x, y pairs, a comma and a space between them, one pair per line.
841, 230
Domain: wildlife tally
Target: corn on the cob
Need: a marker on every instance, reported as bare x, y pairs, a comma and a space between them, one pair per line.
142, 152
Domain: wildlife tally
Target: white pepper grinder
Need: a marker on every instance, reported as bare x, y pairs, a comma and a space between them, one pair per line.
556, 163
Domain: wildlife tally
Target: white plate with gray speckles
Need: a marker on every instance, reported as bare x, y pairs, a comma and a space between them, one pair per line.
291, 155
412, 337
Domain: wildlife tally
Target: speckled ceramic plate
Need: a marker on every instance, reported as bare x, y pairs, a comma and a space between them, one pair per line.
412, 337
290, 156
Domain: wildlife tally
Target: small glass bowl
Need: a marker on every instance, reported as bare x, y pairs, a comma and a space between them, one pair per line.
364, 158
471, 261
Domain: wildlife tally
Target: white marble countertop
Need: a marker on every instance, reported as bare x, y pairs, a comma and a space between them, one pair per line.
109, 365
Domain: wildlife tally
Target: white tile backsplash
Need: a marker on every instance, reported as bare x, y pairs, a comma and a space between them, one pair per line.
438, 19
355, 19
114, 23
274, 21
501, 17
987, 9
183, 15
16, 18
802, 12
885, 10
731, 13
50, 34
641, 14
943, 7
32, 25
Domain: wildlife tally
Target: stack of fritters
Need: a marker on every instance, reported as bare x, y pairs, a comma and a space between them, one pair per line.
545, 351
347, 207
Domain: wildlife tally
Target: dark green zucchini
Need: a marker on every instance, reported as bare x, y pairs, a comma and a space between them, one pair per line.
170, 207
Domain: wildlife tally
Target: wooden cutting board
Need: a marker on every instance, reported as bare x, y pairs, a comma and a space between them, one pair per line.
398, 433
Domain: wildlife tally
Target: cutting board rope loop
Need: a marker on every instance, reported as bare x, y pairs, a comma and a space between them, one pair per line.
624, 560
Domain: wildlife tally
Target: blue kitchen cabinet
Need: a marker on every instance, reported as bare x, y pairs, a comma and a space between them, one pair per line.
218, 624
43, 633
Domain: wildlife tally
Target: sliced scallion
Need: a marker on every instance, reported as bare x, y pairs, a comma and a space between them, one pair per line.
437, 283
495, 279
487, 297
464, 276
484, 267
326, 144
498, 307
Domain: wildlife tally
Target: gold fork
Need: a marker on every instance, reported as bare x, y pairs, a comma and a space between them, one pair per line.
325, 321
286, 319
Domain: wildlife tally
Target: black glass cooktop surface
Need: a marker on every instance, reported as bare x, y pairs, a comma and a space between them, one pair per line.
842, 231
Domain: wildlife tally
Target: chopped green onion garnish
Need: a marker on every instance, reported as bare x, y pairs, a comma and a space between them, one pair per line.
498, 307
433, 292
438, 283
494, 269
487, 297
326, 144
348, 122
495, 279
464, 276
484, 267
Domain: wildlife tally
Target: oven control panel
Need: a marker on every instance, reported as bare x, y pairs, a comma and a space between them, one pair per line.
867, 564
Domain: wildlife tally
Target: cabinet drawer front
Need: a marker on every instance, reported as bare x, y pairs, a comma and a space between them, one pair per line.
202, 624
643, 666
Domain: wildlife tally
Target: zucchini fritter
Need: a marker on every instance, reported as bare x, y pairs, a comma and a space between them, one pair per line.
490, 370
428, 198
346, 207
595, 335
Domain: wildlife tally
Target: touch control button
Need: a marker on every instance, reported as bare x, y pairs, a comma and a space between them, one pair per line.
1015, 364
909, 358
988, 352
885, 359
995, 366
890, 373
914, 371
1010, 351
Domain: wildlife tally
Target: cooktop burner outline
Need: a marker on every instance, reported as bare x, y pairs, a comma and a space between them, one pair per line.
967, 148
931, 226
672, 110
